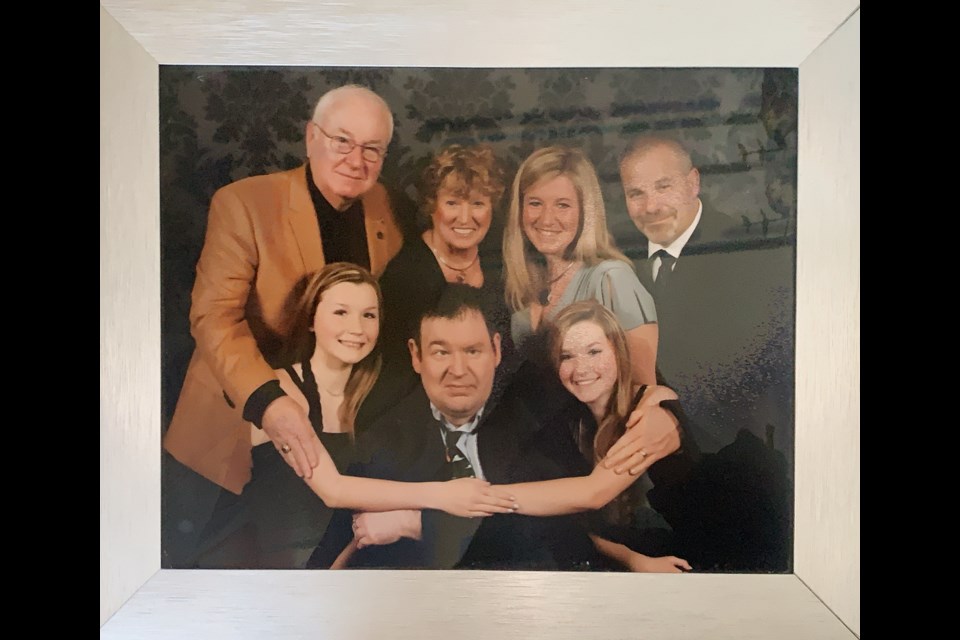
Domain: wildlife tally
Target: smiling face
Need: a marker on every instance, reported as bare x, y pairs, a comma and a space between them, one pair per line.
551, 215
342, 178
461, 221
347, 323
456, 360
588, 365
662, 189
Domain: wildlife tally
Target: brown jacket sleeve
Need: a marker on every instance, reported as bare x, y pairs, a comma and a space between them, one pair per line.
218, 314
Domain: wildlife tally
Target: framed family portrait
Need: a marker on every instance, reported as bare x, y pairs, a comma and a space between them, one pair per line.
184, 115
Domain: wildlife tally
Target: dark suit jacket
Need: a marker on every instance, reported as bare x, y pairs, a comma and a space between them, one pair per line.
513, 447
726, 332
726, 347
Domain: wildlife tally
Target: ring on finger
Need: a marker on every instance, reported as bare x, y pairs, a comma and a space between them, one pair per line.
643, 453
285, 448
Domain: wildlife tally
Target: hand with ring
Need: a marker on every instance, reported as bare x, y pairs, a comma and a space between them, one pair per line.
286, 424
652, 434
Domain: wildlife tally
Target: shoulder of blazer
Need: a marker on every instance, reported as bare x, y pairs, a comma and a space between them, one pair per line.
507, 424
715, 230
407, 421
263, 191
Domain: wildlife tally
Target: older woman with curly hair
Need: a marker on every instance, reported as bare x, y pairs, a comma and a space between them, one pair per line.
460, 190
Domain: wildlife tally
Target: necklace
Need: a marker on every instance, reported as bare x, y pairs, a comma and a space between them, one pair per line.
310, 381
461, 271
545, 296
331, 393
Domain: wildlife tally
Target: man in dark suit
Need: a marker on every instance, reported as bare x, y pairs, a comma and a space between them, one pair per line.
725, 308
724, 302
454, 426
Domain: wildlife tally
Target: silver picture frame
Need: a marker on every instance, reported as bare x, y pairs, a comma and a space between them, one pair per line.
821, 599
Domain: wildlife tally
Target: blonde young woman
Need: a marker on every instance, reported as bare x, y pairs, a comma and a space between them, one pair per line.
592, 359
334, 364
557, 250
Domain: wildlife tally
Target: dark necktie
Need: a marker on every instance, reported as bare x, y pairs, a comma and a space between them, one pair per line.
457, 460
665, 273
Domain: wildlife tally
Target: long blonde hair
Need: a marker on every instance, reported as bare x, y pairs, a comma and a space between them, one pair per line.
303, 341
525, 267
595, 446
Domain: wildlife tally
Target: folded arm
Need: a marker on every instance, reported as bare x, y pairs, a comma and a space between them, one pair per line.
439, 539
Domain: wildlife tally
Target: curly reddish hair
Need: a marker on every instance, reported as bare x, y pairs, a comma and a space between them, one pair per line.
461, 170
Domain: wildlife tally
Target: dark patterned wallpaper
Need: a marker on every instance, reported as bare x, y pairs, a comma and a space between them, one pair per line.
221, 124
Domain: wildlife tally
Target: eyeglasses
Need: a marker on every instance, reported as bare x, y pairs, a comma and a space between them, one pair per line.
344, 145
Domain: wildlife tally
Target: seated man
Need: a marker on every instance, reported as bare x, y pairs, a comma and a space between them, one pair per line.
451, 426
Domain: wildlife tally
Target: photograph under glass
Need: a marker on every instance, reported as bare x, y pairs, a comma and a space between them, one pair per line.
507, 318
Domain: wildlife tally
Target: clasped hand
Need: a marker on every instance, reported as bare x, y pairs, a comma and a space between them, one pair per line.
474, 498
465, 497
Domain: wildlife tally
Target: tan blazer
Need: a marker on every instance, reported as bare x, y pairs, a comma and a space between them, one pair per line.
262, 240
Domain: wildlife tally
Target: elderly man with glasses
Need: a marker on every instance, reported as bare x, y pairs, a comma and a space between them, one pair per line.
264, 234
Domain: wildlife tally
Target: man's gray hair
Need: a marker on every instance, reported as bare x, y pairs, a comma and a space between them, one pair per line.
330, 98
644, 143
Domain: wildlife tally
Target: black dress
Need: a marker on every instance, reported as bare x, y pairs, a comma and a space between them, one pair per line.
629, 518
288, 518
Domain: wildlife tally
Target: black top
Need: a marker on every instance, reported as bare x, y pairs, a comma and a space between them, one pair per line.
412, 283
288, 517
338, 444
628, 518
343, 233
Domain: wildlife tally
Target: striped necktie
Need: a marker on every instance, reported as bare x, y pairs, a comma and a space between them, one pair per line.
457, 460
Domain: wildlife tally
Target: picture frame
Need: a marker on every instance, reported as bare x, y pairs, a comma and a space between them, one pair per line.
136, 36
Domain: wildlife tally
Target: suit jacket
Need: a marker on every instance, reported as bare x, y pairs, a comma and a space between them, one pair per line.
513, 447
262, 241
726, 332
725, 323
